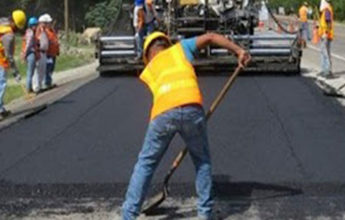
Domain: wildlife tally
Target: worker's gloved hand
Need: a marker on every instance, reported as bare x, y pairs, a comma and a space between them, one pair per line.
17, 76
243, 58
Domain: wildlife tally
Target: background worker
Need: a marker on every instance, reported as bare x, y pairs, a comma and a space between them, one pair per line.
30, 51
52, 53
303, 18
43, 45
326, 33
177, 108
151, 16
7, 45
139, 26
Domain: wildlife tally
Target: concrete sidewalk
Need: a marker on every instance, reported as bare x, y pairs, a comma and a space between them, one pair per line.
66, 81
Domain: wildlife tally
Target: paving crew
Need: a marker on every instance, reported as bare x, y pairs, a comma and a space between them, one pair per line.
30, 52
326, 33
43, 45
177, 108
139, 26
52, 53
304, 25
7, 47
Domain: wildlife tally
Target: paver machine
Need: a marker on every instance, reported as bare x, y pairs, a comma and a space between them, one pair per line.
236, 19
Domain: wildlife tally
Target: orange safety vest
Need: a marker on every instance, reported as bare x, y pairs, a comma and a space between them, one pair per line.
4, 29
172, 80
324, 27
36, 49
54, 48
303, 14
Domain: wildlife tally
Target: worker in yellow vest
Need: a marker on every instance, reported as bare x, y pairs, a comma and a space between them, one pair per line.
326, 33
7, 45
177, 108
303, 19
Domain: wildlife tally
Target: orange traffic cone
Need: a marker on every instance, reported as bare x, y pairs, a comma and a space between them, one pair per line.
316, 37
261, 25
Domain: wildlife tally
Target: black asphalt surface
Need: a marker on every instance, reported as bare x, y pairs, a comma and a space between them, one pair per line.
276, 141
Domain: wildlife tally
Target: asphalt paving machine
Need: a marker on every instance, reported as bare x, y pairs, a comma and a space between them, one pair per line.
236, 19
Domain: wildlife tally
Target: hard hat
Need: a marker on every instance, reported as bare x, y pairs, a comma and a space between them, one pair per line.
45, 18
305, 3
139, 2
19, 18
32, 21
155, 35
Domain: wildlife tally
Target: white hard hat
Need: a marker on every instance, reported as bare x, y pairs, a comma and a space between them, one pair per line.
45, 18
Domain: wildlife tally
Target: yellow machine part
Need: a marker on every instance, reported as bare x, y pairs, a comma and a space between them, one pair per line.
189, 2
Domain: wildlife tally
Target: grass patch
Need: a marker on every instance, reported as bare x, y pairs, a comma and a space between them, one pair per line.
65, 62
13, 92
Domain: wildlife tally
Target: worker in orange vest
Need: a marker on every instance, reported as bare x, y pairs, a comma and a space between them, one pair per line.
52, 53
8, 26
177, 108
30, 53
326, 33
43, 45
303, 19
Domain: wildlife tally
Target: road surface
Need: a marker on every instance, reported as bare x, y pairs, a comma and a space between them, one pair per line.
276, 143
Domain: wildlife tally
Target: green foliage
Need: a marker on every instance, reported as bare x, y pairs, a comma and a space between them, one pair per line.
292, 6
103, 13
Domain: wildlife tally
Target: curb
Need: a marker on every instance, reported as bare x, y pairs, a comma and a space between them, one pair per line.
72, 79
331, 87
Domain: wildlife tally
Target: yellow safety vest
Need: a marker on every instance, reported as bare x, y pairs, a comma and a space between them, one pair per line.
324, 27
4, 29
303, 14
172, 80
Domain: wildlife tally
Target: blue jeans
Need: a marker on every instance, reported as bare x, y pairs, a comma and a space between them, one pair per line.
48, 80
31, 65
139, 39
3, 85
305, 31
189, 121
326, 62
139, 36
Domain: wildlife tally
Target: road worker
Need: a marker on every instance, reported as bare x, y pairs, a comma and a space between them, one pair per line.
30, 51
139, 26
43, 45
304, 25
151, 16
177, 108
52, 53
7, 46
326, 33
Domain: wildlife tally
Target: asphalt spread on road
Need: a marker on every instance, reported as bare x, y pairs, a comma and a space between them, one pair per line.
272, 137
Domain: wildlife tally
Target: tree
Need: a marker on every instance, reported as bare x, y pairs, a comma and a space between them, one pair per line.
103, 13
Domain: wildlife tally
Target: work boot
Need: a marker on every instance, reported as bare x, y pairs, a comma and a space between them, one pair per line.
4, 114
330, 76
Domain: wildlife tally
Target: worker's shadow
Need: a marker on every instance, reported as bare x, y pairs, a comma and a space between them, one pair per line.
232, 198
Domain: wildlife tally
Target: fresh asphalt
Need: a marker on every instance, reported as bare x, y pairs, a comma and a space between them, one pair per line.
276, 142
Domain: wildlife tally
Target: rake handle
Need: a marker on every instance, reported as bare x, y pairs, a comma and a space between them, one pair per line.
179, 158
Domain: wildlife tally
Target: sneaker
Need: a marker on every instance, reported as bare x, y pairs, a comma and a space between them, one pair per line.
49, 87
